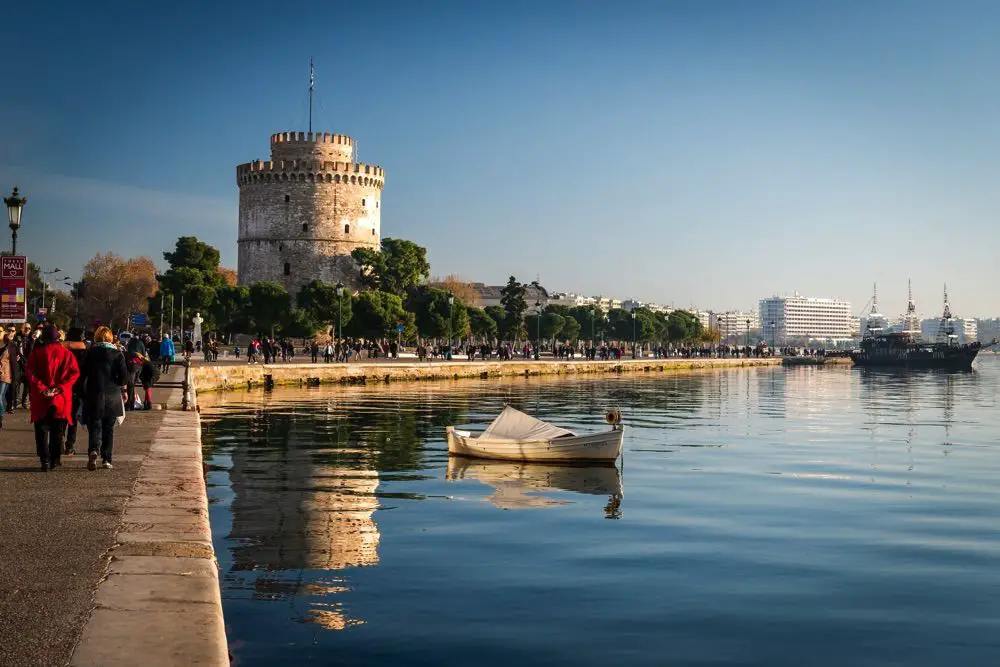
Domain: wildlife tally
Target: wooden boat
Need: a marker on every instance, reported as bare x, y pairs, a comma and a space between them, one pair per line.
515, 436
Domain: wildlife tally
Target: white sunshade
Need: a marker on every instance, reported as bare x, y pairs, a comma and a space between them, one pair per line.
513, 424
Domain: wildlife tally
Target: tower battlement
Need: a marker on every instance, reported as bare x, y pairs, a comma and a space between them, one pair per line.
311, 171
312, 145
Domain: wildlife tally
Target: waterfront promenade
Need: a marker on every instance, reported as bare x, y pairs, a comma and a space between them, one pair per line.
105, 568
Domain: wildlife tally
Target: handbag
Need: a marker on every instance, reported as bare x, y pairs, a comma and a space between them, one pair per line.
121, 418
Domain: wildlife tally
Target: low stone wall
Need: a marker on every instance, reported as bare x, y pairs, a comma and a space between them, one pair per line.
232, 375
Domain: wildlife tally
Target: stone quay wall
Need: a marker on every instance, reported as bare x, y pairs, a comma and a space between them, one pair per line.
232, 376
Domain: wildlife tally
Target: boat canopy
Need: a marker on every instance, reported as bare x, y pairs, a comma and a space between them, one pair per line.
513, 424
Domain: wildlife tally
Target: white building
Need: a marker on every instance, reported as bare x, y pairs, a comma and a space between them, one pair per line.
491, 295
734, 324
797, 319
988, 330
966, 329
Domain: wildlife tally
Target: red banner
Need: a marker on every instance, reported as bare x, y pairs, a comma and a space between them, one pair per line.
13, 289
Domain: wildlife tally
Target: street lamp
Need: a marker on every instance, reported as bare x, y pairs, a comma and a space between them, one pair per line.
593, 323
633, 335
340, 314
748, 333
15, 205
45, 284
538, 329
773, 334
451, 303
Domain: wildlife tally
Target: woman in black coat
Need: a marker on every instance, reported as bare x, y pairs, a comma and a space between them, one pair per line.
104, 374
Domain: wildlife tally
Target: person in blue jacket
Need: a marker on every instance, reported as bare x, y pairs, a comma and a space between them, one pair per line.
166, 353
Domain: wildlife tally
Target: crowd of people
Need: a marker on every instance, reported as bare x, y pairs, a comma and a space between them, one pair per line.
65, 379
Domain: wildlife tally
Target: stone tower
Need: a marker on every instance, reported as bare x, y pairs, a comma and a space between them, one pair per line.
305, 210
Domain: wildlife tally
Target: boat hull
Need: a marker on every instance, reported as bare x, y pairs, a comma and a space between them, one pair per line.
957, 359
604, 447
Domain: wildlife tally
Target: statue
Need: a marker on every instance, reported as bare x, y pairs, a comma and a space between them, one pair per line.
196, 335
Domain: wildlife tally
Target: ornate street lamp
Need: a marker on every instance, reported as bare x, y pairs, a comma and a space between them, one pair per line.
748, 333
15, 205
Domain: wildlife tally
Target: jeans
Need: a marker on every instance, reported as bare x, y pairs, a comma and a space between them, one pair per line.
3, 398
102, 436
49, 439
77, 413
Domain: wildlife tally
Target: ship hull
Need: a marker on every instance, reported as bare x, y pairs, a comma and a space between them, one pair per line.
957, 359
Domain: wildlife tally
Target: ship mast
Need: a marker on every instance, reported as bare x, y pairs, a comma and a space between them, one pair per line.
946, 329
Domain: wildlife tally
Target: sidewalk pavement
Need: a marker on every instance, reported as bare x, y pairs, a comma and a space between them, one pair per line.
56, 532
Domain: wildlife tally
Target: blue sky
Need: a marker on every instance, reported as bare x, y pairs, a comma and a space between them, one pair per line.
696, 153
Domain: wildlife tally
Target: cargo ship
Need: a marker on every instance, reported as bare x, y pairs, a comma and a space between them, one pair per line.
904, 349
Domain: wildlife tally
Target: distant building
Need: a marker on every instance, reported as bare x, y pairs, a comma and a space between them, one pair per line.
791, 320
732, 324
988, 330
490, 295
965, 329
569, 299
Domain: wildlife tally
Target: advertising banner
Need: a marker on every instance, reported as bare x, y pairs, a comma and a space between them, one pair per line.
13, 289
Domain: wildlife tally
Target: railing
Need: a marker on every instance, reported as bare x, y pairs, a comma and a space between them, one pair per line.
185, 385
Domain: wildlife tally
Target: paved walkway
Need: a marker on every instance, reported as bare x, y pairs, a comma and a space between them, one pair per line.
56, 533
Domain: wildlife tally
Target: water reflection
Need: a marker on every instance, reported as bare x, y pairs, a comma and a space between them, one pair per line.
517, 485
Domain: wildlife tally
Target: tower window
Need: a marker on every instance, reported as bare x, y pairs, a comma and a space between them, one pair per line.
305, 226
364, 202
288, 269
288, 198
373, 231
347, 229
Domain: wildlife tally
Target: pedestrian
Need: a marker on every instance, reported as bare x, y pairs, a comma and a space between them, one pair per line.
8, 360
166, 353
51, 371
148, 375
135, 354
104, 375
25, 342
76, 345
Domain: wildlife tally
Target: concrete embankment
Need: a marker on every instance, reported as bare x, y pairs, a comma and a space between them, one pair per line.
235, 375
160, 603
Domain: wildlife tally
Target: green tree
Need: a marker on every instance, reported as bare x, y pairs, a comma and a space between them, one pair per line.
481, 324
231, 309
323, 305
270, 306
498, 315
193, 274
377, 314
435, 316
398, 266
548, 324
682, 326
570, 329
514, 305
590, 320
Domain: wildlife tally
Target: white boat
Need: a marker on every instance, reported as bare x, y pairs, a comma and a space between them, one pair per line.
515, 436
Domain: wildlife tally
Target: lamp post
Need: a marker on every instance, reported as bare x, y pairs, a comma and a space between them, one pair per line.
634, 341
593, 324
451, 304
15, 205
748, 332
340, 312
45, 283
538, 330
773, 334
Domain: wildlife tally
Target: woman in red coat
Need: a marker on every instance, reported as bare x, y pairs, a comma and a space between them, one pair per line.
51, 371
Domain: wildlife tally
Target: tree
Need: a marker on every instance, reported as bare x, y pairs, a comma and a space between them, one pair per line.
481, 324
231, 309
514, 305
270, 306
590, 320
228, 276
435, 317
570, 329
682, 326
194, 275
322, 304
463, 290
114, 287
377, 314
547, 324
399, 265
